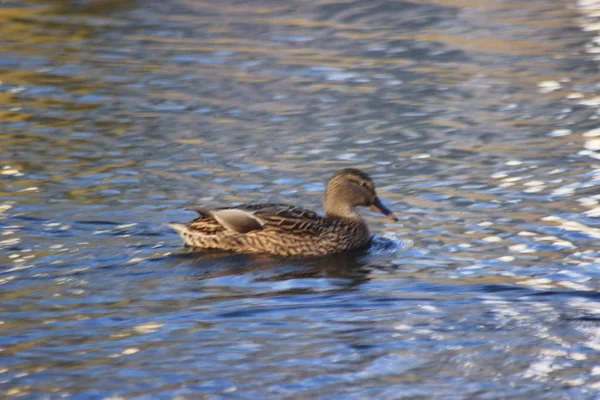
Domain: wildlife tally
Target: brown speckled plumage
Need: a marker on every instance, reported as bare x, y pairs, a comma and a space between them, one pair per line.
287, 230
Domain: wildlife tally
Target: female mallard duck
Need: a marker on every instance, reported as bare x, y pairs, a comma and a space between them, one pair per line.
287, 230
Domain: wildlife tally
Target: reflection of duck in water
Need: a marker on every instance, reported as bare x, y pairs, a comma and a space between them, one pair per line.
288, 230
346, 269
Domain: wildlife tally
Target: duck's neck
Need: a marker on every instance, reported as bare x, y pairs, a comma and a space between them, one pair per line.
340, 210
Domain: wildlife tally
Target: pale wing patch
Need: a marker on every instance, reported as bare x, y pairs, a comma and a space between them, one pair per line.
236, 220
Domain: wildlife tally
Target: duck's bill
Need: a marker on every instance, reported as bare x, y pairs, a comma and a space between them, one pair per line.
380, 208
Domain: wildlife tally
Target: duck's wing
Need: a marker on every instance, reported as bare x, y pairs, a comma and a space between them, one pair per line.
251, 217
205, 223
291, 219
240, 219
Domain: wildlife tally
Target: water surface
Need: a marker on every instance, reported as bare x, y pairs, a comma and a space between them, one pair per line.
477, 120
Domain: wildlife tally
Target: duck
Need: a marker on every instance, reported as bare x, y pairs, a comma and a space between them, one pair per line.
288, 230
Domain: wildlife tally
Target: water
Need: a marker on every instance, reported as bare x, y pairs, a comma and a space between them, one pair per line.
477, 120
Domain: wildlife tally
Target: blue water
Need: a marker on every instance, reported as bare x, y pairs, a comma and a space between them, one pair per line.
477, 120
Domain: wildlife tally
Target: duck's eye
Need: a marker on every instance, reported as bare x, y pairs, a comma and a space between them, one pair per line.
364, 184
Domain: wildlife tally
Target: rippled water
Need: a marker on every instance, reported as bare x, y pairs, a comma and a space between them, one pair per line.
478, 121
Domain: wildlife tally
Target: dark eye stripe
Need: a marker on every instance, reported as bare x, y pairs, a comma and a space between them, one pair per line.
363, 184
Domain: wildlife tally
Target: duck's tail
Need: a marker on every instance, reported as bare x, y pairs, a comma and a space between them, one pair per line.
184, 231
179, 228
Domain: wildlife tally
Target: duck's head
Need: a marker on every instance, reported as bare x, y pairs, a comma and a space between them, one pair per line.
350, 188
